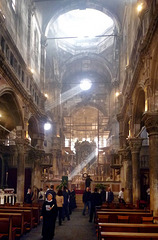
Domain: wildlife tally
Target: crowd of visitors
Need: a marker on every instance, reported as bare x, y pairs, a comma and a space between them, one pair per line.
91, 200
54, 206
61, 204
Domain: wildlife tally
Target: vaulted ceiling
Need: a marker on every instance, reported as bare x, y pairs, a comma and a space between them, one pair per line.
96, 59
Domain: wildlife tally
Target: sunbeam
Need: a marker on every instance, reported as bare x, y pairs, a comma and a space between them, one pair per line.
82, 165
64, 97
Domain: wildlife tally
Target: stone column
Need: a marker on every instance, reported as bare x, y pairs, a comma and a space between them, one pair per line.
2, 172
135, 146
151, 124
127, 174
43, 54
36, 173
20, 170
55, 167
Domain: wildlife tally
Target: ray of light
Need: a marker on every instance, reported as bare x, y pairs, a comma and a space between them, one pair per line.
80, 166
64, 97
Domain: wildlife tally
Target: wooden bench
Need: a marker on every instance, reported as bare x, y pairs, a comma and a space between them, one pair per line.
35, 212
17, 221
147, 219
118, 206
6, 228
122, 219
123, 210
134, 217
127, 227
28, 219
128, 236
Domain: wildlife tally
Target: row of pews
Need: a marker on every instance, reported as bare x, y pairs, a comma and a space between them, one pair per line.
18, 220
125, 224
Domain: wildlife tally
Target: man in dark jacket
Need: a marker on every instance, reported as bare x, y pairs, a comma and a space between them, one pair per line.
95, 201
110, 195
66, 195
103, 195
51, 190
86, 200
88, 181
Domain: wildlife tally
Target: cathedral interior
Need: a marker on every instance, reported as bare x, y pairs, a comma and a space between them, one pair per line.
79, 95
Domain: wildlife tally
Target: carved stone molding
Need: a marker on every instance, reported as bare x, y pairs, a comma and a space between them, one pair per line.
135, 144
151, 122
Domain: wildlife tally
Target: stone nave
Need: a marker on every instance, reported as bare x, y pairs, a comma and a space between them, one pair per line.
79, 95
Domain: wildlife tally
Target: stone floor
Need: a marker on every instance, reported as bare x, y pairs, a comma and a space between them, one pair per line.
78, 228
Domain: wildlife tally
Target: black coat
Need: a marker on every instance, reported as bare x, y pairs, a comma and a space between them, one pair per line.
49, 213
96, 199
86, 196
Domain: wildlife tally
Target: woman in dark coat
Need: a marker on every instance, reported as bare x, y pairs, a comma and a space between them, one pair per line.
49, 214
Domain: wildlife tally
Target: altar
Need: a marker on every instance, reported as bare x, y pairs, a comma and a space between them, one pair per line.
7, 196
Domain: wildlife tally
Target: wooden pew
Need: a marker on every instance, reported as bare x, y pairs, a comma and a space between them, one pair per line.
17, 221
128, 236
28, 219
126, 227
35, 212
134, 217
123, 210
118, 206
6, 228
147, 219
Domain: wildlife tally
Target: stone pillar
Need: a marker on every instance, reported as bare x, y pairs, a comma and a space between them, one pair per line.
55, 167
36, 173
20, 170
135, 146
43, 54
127, 174
2, 172
151, 124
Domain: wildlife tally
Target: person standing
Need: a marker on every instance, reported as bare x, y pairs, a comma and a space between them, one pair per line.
51, 190
49, 213
29, 196
66, 203
110, 195
121, 196
60, 202
41, 197
88, 181
95, 201
86, 200
103, 195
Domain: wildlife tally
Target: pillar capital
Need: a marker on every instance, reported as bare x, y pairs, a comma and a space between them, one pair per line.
21, 144
125, 153
119, 117
151, 122
135, 144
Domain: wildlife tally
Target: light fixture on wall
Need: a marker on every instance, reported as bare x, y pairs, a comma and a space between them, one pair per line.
46, 95
141, 5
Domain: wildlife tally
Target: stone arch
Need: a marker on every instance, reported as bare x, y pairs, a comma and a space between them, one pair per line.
33, 130
76, 5
104, 64
10, 110
89, 104
138, 110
